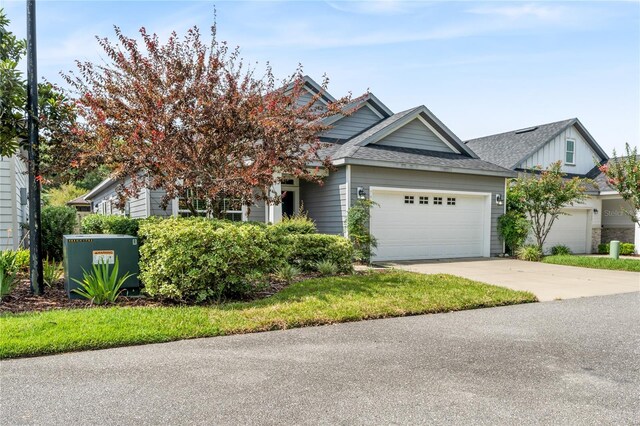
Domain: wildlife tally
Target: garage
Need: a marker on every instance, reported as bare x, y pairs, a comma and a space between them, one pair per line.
571, 230
413, 224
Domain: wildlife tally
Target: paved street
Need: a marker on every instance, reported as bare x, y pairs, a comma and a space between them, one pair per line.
563, 362
546, 281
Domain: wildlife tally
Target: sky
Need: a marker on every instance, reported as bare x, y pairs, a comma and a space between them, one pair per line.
481, 67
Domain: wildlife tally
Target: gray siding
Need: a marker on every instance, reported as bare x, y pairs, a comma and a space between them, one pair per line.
415, 135
257, 212
156, 196
347, 127
395, 178
12, 212
138, 205
325, 203
306, 97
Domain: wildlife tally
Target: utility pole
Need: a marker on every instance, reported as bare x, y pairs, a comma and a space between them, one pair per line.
35, 243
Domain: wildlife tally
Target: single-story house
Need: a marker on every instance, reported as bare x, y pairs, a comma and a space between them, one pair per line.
435, 197
601, 218
14, 209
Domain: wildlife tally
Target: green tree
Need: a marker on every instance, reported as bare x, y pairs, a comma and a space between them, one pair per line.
13, 94
61, 195
543, 195
513, 226
623, 173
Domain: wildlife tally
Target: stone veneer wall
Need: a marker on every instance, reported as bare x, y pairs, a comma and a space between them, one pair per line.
596, 239
624, 235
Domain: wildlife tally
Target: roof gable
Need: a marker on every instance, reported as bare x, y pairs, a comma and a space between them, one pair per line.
401, 119
417, 134
509, 149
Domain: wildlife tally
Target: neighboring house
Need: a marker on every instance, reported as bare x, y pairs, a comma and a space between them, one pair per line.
600, 218
435, 197
14, 208
82, 208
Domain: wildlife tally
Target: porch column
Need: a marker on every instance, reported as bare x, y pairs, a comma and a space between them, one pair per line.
275, 210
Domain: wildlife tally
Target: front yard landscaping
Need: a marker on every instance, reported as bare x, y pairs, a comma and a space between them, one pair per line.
595, 262
311, 302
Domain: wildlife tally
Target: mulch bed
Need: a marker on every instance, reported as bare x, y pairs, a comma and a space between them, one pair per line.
21, 299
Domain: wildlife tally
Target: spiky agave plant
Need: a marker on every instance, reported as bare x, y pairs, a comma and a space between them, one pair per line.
101, 285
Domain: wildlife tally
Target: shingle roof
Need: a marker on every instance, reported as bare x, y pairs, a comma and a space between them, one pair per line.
416, 157
509, 148
78, 201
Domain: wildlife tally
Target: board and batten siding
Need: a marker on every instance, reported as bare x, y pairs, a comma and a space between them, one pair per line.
415, 135
366, 177
585, 157
347, 127
325, 203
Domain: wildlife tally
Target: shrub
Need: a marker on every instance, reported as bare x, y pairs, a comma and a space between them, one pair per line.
110, 224
102, 286
287, 273
306, 250
513, 227
51, 272
22, 259
326, 267
8, 281
625, 249
363, 241
560, 250
531, 253
298, 224
8, 260
56, 222
195, 259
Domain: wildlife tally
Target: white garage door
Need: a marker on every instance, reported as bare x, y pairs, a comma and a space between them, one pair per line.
412, 225
570, 230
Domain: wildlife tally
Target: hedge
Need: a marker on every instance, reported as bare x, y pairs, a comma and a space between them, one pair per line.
110, 224
625, 248
197, 259
56, 221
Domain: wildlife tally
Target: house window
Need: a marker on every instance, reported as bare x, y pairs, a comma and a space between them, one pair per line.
570, 156
408, 199
437, 201
231, 207
451, 201
423, 200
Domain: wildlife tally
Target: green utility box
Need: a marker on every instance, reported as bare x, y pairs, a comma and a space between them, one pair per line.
84, 250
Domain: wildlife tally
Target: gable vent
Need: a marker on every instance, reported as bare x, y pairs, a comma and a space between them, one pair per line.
527, 130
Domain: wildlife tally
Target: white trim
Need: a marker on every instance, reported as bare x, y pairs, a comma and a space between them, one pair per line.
347, 199
435, 132
15, 235
320, 98
486, 249
175, 206
566, 151
504, 211
245, 213
375, 111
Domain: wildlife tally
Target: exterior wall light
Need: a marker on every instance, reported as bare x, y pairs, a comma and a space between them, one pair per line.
361, 194
595, 211
499, 199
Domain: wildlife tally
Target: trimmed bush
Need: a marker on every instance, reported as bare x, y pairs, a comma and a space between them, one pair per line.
306, 250
296, 225
195, 259
531, 253
560, 250
110, 224
513, 227
56, 222
625, 249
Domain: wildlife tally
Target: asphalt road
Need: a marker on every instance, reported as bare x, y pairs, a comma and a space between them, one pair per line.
563, 362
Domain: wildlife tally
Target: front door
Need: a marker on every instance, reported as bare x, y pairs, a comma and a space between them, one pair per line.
288, 203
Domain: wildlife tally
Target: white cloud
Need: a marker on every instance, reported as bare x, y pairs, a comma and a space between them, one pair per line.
539, 11
372, 7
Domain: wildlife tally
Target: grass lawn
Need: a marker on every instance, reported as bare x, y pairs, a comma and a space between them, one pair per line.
595, 262
311, 302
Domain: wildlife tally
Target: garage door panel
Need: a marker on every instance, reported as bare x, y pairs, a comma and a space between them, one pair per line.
428, 231
569, 230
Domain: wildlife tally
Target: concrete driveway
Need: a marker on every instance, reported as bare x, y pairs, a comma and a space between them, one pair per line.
570, 362
547, 282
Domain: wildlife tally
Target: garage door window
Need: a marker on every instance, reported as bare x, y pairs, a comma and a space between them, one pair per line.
408, 199
437, 201
451, 201
424, 200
